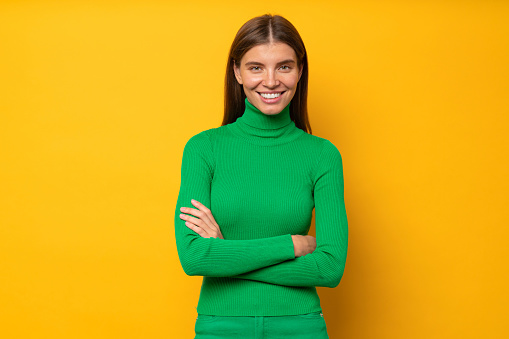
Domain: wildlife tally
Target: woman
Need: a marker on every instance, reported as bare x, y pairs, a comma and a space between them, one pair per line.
248, 188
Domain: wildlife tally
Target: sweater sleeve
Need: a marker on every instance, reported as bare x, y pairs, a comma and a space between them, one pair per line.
325, 266
214, 256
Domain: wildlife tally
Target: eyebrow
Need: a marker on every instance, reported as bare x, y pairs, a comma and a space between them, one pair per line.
256, 63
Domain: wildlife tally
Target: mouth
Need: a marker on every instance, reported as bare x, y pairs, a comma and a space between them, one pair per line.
270, 95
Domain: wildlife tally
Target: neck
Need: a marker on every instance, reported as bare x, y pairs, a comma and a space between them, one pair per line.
265, 129
257, 119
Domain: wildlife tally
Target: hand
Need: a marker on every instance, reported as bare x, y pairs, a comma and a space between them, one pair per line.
303, 244
204, 224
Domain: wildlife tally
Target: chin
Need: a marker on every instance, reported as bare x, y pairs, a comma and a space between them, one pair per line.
273, 111
270, 109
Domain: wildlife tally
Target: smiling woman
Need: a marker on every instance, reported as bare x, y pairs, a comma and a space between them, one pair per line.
247, 193
269, 78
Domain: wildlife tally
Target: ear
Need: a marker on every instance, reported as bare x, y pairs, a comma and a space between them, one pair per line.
300, 71
236, 70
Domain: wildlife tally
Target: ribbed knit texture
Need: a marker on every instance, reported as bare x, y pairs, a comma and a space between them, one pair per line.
261, 177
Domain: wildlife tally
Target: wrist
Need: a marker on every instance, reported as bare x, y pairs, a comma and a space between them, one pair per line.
296, 243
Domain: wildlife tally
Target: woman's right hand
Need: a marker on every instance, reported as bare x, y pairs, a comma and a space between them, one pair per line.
303, 244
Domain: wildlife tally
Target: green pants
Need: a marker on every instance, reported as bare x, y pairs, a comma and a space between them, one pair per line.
301, 326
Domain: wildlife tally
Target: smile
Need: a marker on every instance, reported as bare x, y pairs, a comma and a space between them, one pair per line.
270, 95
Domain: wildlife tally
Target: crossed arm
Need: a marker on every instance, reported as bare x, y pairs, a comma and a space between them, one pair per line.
271, 260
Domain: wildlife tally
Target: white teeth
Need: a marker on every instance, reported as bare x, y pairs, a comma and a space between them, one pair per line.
270, 96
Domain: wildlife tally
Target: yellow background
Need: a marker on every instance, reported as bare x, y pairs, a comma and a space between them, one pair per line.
97, 100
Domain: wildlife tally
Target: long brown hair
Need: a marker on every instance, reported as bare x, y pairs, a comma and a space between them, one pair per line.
261, 30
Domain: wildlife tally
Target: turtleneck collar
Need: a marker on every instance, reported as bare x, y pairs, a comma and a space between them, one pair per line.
265, 129
257, 119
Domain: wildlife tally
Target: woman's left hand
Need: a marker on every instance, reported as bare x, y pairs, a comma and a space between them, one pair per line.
205, 224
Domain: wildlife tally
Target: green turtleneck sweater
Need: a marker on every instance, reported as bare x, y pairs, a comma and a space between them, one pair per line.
261, 177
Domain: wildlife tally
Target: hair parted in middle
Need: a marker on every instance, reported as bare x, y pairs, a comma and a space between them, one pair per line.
262, 30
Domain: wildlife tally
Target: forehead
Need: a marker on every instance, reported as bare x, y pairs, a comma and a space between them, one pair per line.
269, 53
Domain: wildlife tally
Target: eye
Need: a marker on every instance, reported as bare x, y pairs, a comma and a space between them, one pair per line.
253, 68
287, 67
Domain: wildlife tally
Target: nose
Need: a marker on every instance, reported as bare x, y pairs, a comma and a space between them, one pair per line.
271, 79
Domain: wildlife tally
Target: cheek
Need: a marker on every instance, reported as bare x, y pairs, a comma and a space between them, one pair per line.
291, 80
252, 81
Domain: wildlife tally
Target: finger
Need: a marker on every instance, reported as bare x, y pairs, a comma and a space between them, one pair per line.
204, 214
198, 222
207, 211
196, 212
197, 229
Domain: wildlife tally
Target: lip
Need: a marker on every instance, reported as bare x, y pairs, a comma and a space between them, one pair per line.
271, 101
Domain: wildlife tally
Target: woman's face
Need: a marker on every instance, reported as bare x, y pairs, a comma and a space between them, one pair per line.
269, 75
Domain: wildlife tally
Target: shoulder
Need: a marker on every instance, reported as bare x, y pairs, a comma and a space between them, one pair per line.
209, 136
201, 139
328, 160
321, 146
198, 153
199, 146
329, 149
